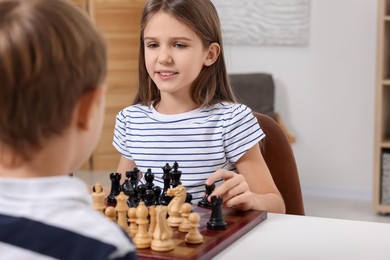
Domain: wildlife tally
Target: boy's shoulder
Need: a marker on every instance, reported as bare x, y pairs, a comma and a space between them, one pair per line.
59, 207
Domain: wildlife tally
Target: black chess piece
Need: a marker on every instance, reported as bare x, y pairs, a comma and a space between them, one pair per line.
128, 190
149, 197
132, 201
164, 198
157, 193
216, 220
204, 202
149, 177
188, 198
115, 188
175, 175
133, 176
141, 190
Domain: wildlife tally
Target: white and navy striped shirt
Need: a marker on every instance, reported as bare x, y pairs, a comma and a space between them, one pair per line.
200, 141
53, 218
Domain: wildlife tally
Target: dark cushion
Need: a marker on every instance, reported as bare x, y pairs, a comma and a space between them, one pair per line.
256, 90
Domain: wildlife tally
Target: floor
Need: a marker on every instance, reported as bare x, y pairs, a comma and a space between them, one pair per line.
343, 209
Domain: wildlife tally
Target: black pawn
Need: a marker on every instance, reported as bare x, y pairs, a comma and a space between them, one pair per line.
216, 221
204, 202
141, 190
175, 175
149, 197
157, 193
115, 189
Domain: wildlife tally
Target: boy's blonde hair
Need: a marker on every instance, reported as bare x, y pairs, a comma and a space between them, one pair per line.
212, 85
50, 55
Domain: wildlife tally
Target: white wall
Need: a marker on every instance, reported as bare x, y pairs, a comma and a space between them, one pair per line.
325, 92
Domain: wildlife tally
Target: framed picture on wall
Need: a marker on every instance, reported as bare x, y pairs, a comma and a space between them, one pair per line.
265, 22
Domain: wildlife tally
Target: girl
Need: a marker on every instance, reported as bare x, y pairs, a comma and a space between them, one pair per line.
185, 110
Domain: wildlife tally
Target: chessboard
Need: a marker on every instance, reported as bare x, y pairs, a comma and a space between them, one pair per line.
130, 205
238, 224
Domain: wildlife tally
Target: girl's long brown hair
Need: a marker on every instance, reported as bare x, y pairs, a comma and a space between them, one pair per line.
212, 84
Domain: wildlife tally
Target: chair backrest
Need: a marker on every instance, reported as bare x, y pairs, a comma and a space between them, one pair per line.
278, 155
256, 90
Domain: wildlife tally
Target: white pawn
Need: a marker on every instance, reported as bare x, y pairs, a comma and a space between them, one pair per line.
185, 211
142, 238
110, 213
132, 219
98, 198
194, 236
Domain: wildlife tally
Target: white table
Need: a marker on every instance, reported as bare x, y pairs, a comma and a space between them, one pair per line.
288, 237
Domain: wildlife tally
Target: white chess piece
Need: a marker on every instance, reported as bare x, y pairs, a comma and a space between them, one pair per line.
162, 236
194, 236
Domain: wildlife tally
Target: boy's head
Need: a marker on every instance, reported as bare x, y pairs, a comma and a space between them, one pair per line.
50, 57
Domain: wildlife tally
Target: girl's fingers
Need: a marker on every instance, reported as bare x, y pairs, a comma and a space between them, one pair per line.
219, 174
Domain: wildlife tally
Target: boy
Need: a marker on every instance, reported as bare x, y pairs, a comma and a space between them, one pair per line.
52, 71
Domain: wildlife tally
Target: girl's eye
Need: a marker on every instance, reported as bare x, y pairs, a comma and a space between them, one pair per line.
152, 45
179, 45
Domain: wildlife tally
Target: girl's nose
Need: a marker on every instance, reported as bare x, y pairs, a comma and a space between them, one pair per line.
164, 58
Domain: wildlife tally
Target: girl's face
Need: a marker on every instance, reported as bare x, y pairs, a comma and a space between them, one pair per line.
174, 55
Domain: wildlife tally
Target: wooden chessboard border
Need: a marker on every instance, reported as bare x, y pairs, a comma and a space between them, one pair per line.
239, 223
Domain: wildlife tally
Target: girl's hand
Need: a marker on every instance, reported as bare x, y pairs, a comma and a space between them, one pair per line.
234, 190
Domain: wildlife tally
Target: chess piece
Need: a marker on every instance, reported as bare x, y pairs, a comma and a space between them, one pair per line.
142, 238
179, 197
175, 175
141, 191
121, 209
149, 197
152, 221
134, 176
194, 236
164, 198
149, 177
131, 214
189, 198
157, 193
162, 236
185, 211
127, 188
216, 218
98, 198
115, 188
110, 213
204, 202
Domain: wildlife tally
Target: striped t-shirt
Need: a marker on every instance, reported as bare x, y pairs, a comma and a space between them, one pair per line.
200, 141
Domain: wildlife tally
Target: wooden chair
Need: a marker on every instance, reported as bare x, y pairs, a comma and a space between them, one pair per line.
278, 155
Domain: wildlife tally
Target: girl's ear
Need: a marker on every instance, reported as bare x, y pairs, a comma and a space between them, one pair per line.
212, 54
